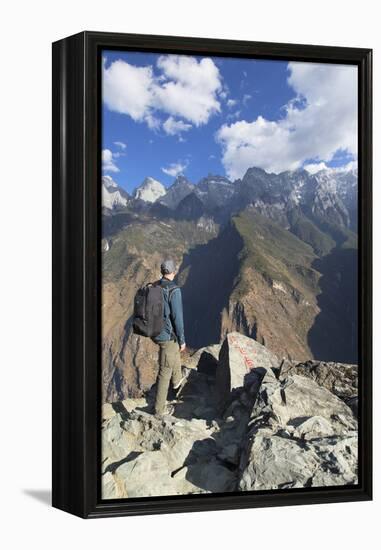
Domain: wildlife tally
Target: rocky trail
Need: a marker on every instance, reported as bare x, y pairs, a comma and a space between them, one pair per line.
244, 420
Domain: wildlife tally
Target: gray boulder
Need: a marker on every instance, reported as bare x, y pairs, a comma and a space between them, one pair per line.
339, 378
212, 477
205, 359
300, 435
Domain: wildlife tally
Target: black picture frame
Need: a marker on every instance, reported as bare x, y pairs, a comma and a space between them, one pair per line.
76, 151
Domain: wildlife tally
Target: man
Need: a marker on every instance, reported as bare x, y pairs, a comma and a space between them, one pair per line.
171, 339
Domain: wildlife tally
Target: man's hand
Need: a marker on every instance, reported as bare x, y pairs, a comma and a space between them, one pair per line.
182, 347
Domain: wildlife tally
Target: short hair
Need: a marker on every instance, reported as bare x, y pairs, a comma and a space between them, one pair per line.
168, 266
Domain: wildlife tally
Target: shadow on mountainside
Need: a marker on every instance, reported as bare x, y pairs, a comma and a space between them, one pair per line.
334, 334
207, 275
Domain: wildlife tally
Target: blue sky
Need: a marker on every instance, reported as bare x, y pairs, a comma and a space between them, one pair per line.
169, 114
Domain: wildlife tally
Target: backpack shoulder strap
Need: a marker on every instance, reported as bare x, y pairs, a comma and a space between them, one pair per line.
171, 290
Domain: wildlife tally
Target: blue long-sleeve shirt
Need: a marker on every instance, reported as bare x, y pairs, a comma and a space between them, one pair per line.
173, 314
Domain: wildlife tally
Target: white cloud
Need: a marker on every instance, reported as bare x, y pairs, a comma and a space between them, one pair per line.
321, 119
191, 89
313, 168
352, 165
186, 88
127, 89
173, 127
236, 114
152, 121
231, 102
175, 168
108, 161
120, 144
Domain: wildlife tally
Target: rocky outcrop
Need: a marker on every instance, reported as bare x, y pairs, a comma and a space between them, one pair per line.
339, 378
300, 435
243, 421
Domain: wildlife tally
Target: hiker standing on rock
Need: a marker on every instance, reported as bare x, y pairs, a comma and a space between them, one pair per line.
171, 339
158, 314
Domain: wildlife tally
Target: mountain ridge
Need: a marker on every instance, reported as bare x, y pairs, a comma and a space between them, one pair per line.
328, 193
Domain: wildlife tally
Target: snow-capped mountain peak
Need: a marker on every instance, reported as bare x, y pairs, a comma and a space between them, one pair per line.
329, 194
150, 190
112, 195
108, 182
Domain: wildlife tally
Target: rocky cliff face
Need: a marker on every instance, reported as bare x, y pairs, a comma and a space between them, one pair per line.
243, 421
180, 189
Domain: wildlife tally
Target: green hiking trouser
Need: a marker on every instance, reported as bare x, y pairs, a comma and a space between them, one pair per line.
169, 368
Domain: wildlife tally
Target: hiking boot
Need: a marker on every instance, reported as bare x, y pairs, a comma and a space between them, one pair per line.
150, 409
169, 410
